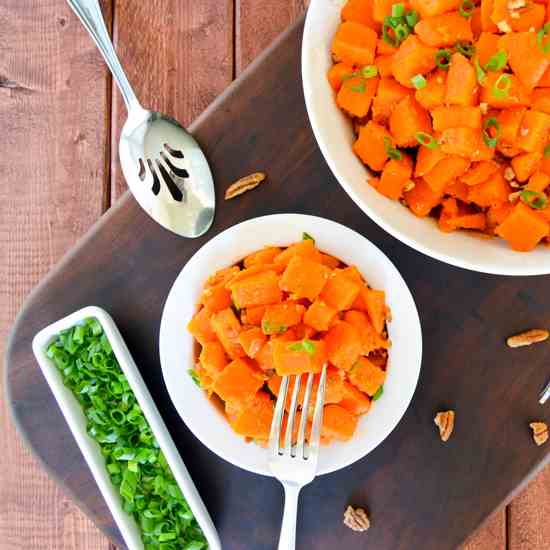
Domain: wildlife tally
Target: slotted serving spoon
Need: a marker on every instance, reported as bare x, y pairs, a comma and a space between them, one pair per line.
164, 166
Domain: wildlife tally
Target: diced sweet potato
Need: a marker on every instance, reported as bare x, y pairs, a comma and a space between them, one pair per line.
354, 44
264, 256
370, 339
526, 164
354, 401
200, 327
533, 131
523, 228
444, 30
297, 357
278, 318
388, 95
223, 276
375, 301
494, 191
446, 171
344, 345
479, 172
463, 142
303, 249
433, 94
384, 64
304, 278
257, 290
367, 376
330, 261
370, 147
355, 95
212, 358
252, 339
458, 216
227, 328
517, 95
319, 315
216, 298
422, 199
340, 290
427, 159
360, 11
429, 8
407, 119
254, 419
462, 85
486, 47
412, 58
541, 100
253, 315
538, 182
338, 423
238, 382
456, 116
395, 177
458, 189
337, 73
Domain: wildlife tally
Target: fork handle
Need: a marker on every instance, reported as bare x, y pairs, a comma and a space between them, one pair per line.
89, 12
287, 540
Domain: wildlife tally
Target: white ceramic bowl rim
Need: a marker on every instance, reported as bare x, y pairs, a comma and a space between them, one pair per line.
176, 344
334, 136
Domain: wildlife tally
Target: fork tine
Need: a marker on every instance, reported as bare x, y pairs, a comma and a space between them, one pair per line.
276, 423
303, 420
292, 415
318, 414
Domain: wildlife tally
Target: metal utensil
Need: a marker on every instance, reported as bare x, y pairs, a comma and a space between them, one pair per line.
545, 394
164, 166
295, 465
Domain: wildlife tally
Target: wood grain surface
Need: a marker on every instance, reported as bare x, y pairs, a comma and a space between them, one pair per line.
60, 195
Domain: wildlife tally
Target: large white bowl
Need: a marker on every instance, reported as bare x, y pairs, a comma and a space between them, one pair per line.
176, 344
335, 137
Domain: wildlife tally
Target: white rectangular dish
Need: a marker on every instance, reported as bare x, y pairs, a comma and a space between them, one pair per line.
76, 420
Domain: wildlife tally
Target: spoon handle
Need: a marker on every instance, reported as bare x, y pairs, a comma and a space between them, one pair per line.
89, 12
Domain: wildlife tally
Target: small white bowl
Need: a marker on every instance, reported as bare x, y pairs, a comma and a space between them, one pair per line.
176, 344
72, 411
335, 137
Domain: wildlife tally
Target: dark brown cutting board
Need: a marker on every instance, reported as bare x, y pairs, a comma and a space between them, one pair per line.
420, 492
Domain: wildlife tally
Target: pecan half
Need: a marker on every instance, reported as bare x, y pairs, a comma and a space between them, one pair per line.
540, 432
356, 519
527, 338
445, 421
244, 184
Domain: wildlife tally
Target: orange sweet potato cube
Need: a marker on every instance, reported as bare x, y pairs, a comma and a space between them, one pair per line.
216, 298
319, 315
343, 345
340, 290
253, 315
297, 357
238, 382
370, 339
264, 256
523, 228
201, 328
227, 328
257, 290
304, 278
354, 401
304, 249
279, 317
354, 44
254, 419
338, 423
367, 376
212, 358
252, 339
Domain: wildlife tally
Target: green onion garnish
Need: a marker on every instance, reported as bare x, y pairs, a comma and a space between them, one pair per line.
501, 88
466, 8
541, 35
443, 59
193, 374
273, 328
397, 10
546, 153
391, 151
360, 87
307, 237
534, 199
465, 48
135, 464
489, 140
497, 62
411, 18
426, 140
402, 31
388, 32
418, 81
350, 75
305, 345
480, 73
370, 71
378, 393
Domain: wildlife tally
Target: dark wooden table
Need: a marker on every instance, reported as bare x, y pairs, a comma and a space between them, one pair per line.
53, 92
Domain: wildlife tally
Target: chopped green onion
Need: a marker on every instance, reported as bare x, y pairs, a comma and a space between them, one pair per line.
489, 140
497, 62
360, 87
388, 32
426, 140
534, 199
305, 345
391, 151
466, 8
411, 18
273, 328
397, 10
307, 237
193, 374
501, 88
350, 75
465, 48
546, 153
401, 32
480, 73
370, 71
544, 32
443, 59
133, 460
378, 393
418, 81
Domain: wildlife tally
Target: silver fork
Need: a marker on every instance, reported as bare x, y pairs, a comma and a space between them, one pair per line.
295, 465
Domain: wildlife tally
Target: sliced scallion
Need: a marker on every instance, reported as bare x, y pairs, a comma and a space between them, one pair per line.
426, 140
397, 10
418, 81
497, 62
465, 48
489, 138
411, 18
466, 8
541, 35
534, 199
391, 151
369, 71
501, 88
443, 59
